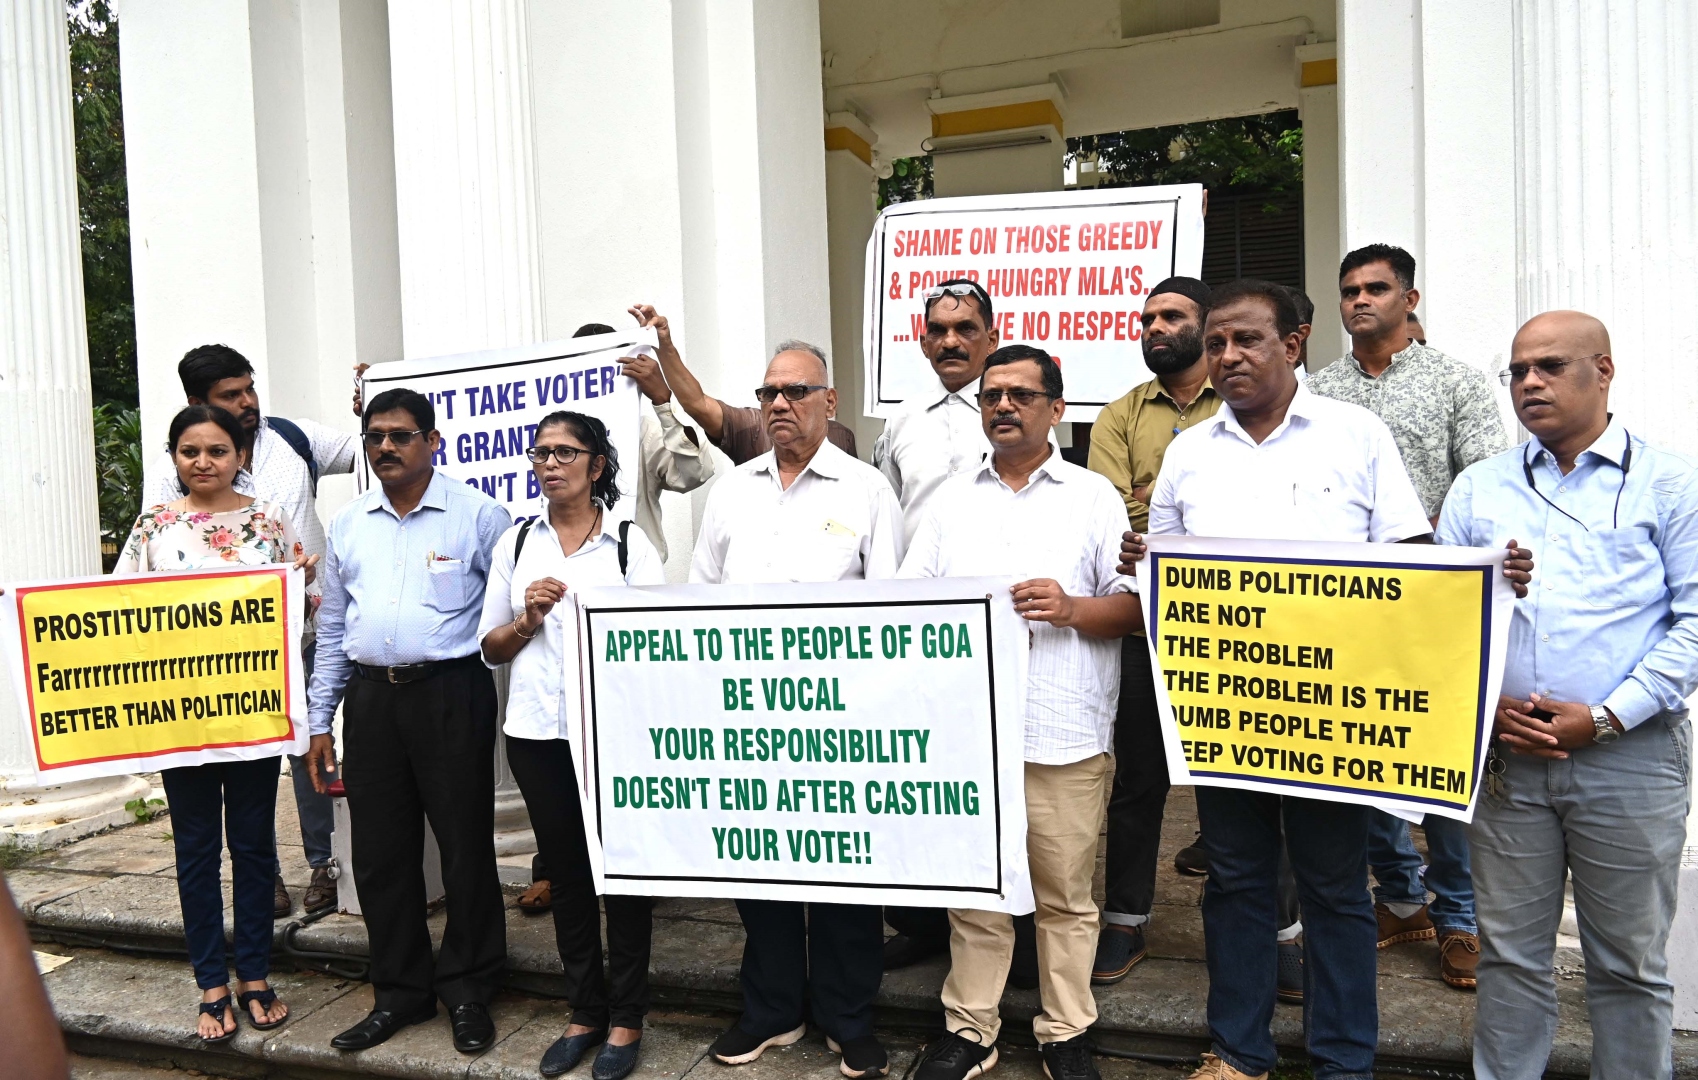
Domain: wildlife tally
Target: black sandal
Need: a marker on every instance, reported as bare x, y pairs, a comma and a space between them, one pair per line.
265, 998
216, 1010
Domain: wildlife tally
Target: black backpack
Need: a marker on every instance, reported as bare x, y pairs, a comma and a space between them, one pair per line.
624, 544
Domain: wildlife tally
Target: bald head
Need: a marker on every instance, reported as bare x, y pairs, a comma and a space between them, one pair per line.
1573, 333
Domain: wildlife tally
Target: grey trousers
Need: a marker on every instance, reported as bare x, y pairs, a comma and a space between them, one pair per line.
1613, 817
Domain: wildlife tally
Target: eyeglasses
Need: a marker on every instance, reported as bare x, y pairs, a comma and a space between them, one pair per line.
989, 399
1548, 369
794, 392
938, 292
401, 439
563, 454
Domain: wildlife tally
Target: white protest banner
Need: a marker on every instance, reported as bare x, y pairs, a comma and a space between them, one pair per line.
135, 674
1363, 673
846, 742
1067, 271
488, 404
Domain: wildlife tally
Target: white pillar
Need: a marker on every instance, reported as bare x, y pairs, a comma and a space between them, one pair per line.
465, 193
1607, 140
46, 426
1317, 96
1379, 154
851, 195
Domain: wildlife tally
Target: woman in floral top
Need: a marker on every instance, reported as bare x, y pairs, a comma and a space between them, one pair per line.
214, 525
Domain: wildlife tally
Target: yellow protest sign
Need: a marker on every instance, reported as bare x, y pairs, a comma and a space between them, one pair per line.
1354, 672
142, 673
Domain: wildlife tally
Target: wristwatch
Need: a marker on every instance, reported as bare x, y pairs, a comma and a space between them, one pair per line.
1606, 732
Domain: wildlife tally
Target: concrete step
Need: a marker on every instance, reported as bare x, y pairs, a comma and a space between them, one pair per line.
132, 1018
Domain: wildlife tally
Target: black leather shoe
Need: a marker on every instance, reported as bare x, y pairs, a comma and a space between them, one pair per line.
378, 1026
474, 1031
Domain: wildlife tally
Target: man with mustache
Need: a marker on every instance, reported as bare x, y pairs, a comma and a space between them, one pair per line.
398, 648
285, 461
1128, 442
1593, 739
1052, 530
1444, 416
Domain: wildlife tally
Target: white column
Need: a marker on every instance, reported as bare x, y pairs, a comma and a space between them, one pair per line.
465, 194
1605, 152
1317, 97
46, 429
851, 195
1379, 153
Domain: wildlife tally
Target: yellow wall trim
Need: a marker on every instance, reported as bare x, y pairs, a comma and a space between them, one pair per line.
997, 118
842, 138
1319, 73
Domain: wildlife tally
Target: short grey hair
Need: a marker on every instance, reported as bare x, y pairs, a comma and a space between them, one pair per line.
798, 345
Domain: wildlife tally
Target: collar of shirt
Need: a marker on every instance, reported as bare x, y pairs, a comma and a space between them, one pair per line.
1611, 446
434, 497
1414, 350
1302, 407
828, 463
940, 395
1046, 468
1154, 389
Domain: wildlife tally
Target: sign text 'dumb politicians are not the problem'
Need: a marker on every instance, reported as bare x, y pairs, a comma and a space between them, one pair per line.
1065, 271
137, 674
1352, 672
848, 742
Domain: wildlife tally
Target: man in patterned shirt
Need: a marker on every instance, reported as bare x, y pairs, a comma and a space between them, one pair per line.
1444, 417
278, 471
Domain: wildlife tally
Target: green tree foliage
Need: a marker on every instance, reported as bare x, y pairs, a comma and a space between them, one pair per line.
910, 178
1264, 153
103, 197
118, 465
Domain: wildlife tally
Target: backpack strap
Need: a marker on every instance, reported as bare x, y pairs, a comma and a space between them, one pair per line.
624, 545
519, 540
291, 433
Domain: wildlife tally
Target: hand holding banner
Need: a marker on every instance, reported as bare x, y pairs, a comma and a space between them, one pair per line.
136, 674
848, 742
1351, 672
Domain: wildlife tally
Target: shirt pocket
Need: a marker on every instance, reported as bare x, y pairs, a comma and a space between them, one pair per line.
821, 555
1622, 567
445, 586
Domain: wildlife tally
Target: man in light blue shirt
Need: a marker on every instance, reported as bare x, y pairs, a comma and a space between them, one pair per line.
403, 591
1592, 742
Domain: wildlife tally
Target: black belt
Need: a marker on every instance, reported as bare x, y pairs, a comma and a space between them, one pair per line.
408, 673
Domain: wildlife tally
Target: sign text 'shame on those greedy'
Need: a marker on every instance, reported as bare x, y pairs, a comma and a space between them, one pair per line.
142, 673
807, 741
1067, 272
1354, 672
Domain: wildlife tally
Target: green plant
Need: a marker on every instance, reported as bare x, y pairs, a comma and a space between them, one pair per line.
910, 178
145, 810
118, 468
1263, 152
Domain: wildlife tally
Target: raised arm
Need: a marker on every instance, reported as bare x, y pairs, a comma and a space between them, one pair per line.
702, 407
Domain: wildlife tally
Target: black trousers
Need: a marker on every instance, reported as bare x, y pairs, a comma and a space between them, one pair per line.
827, 957
920, 923
1139, 794
423, 751
547, 779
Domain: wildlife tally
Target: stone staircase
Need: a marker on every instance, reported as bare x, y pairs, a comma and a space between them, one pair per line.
110, 902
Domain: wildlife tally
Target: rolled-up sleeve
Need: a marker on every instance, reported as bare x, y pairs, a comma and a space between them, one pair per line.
1668, 673
679, 463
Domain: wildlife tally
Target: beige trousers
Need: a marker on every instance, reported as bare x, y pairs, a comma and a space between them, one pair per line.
1064, 812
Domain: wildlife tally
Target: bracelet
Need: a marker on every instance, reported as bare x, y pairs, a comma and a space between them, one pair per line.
522, 634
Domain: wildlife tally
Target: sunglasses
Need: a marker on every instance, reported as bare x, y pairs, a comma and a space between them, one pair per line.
989, 399
1548, 369
401, 439
794, 392
938, 292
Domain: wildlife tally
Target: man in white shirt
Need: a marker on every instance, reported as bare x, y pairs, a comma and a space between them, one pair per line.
803, 511
1029, 515
1278, 462
284, 464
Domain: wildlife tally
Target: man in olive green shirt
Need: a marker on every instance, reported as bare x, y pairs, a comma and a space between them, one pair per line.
1128, 441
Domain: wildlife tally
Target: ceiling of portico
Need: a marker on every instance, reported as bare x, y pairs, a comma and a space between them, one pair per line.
882, 59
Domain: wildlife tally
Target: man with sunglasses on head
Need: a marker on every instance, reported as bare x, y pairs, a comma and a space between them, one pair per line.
398, 637
1593, 749
1444, 417
285, 461
803, 511
1053, 530
739, 431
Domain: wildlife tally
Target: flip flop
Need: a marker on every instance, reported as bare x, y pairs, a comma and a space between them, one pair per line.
265, 998
216, 1010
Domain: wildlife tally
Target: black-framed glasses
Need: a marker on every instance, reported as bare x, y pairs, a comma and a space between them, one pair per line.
794, 392
990, 399
1548, 369
563, 454
401, 439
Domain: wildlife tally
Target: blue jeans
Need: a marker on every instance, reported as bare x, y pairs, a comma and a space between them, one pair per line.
1614, 818
234, 802
1397, 868
318, 818
1327, 843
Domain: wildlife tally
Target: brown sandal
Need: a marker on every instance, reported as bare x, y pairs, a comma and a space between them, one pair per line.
536, 899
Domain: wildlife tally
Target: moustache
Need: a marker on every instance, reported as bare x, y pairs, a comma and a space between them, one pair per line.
1010, 419
952, 354
388, 459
